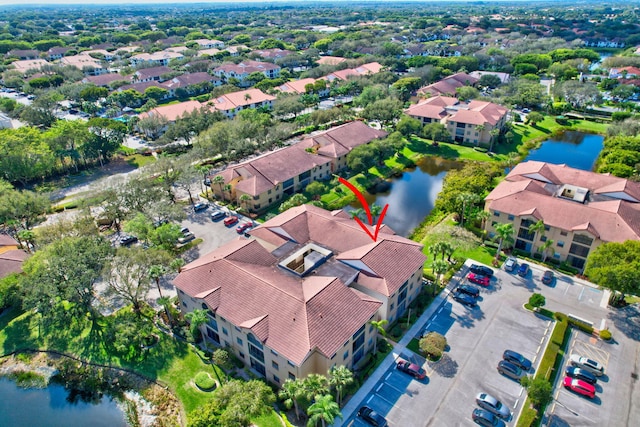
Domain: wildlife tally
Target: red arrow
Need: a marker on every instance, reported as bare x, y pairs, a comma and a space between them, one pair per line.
364, 204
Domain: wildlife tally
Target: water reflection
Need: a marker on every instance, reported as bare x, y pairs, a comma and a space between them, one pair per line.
412, 196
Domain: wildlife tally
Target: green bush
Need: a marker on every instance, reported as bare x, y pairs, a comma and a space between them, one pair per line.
537, 300
433, 344
480, 149
585, 327
204, 381
605, 334
528, 417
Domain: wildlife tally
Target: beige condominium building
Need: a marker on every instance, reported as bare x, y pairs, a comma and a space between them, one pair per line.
269, 179
580, 210
298, 296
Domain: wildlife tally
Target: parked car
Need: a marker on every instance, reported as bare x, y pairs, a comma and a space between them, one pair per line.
481, 269
184, 230
464, 298
479, 279
485, 418
547, 277
242, 227
372, 417
510, 370
411, 368
186, 238
579, 386
588, 364
470, 290
217, 215
523, 270
491, 404
510, 264
581, 374
127, 240
230, 220
159, 223
200, 207
517, 359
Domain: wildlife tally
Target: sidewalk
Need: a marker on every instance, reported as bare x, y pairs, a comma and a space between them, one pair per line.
356, 401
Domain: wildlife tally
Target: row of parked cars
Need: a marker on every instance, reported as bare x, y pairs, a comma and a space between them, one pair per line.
511, 265
491, 412
582, 375
468, 294
218, 215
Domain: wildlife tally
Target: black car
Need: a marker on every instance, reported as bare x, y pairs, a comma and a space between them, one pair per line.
547, 277
581, 374
470, 290
510, 370
486, 418
372, 417
481, 269
517, 359
464, 298
127, 240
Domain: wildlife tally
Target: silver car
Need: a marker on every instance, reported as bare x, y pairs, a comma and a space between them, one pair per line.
587, 364
491, 404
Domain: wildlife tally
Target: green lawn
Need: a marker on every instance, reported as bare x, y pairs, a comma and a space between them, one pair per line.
138, 160
414, 345
270, 420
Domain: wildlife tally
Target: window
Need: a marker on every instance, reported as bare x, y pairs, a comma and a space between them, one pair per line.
237, 329
345, 355
496, 213
256, 206
563, 233
290, 363
184, 304
581, 251
256, 197
275, 365
239, 341
391, 306
360, 331
241, 354
543, 238
292, 377
274, 353
582, 239
511, 217
224, 331
560, 244
252, 339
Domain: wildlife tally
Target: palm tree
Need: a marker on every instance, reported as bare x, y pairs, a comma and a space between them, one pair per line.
27, 237
483, 216
156, 272
177, 264
467, 200
538, 229
375, 211
197, 318
379, 327
505, 234
494, 135
291, 392
225, 190
316, 384
244, 199
166, 303
357, 213
324, 409
439, 267
544, 248
339, 377
219, 180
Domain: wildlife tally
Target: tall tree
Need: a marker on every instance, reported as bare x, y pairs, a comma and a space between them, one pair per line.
439, 267
323, 409
316, 384
616, 266
340, 377
197, 318
291, 393
378, 325
505, 235
538, 229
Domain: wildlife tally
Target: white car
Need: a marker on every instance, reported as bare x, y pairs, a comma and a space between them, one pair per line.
590, 365
510, 264
491, 404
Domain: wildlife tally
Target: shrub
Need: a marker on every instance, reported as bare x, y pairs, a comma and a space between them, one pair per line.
481, 149
432, 352
204, 381
528, 417
433, 344
539, 390
537, 300
605, 334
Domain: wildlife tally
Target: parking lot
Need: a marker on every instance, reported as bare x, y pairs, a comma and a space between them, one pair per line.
477, 338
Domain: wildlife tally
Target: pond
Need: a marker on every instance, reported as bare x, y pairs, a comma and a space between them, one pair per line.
53, 406
411, 197
576, 149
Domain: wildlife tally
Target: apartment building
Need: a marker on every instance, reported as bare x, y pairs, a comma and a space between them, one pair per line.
580, 210
298, 296
232, 103
269, 179
242, 70
470, 123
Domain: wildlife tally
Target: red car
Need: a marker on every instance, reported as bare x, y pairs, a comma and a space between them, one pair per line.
411, 369
579, 386
242, 227
229, 221
479, 279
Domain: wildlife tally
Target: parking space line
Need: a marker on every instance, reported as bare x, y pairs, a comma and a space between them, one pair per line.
379, 387
580, 296
515, 405
388, 375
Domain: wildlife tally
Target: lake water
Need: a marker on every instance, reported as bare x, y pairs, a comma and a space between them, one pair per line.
412, 196
50, 407
575, 149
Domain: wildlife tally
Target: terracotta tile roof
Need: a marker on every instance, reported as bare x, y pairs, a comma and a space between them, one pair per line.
157, 56
611, 211
140, 86
476, 112
80, 61
29, 64
152, 72
11, 261
296, 86
273, 53
330, 60
448, 85
291, 315
242, 98
172, 112
189, 79
342, 139
105, 79
247, 67
6, 240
